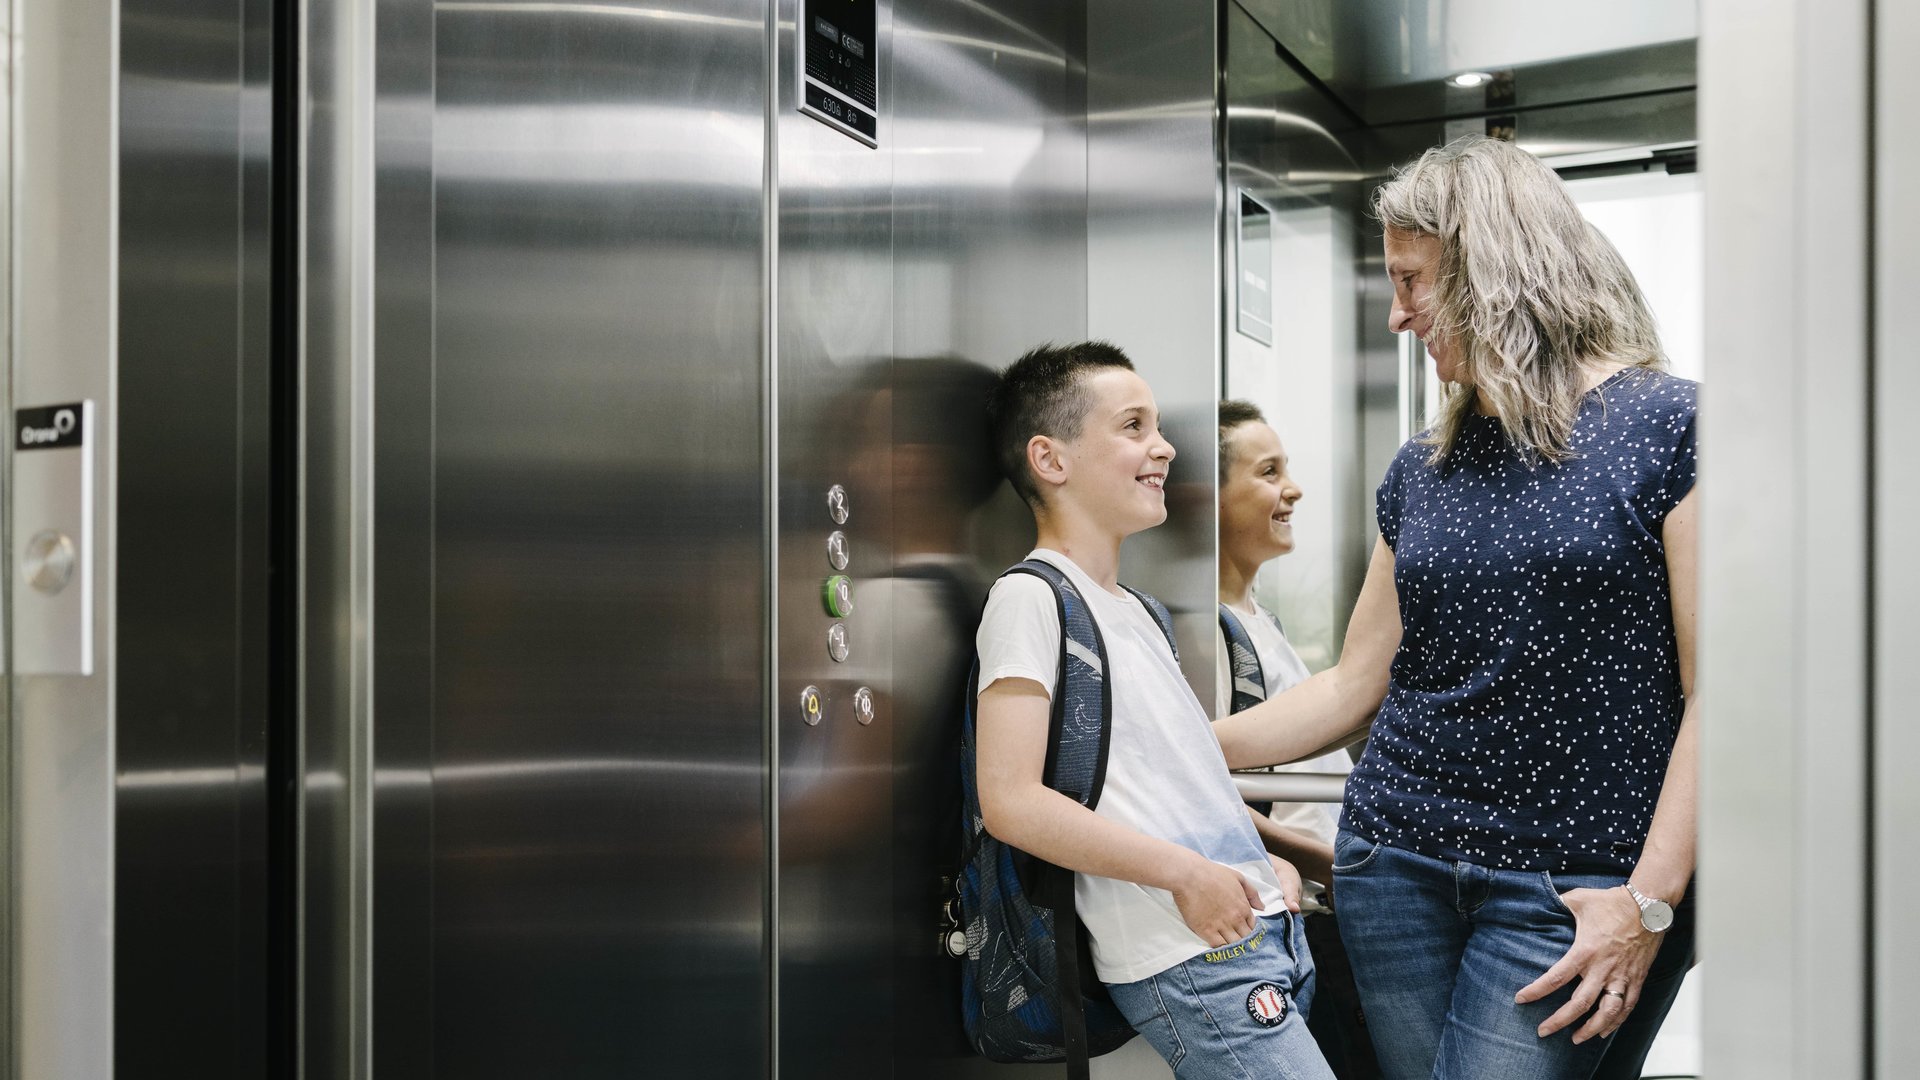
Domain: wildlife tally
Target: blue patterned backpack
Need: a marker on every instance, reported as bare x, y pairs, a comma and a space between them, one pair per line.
1028, 992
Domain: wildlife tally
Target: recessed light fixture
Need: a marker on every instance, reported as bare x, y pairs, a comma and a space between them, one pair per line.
1467, 80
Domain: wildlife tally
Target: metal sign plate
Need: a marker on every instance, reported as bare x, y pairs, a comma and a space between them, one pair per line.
837, 58
53, 539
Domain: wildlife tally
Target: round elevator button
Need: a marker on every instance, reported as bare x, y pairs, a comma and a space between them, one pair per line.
811, 706
839, 596
48, 562
837, 550
837, 504
837, 642
863, 706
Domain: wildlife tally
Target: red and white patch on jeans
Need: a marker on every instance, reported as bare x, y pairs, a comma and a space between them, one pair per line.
1267, 1005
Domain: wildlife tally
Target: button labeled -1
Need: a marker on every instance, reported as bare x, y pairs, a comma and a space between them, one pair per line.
838, 595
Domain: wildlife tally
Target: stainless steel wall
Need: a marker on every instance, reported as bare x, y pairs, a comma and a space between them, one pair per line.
833, 796
598, 615
588, 318
63, 271
192, 970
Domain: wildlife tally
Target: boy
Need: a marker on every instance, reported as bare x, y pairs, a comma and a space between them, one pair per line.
1189, 926
1257, 498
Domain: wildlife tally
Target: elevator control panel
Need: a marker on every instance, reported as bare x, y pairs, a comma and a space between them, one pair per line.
53, 467
838, 60
836, 598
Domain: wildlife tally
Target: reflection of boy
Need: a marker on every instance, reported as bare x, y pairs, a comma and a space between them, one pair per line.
1257, 498
1187, 919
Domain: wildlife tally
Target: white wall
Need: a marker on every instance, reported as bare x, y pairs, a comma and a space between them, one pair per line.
1656, 221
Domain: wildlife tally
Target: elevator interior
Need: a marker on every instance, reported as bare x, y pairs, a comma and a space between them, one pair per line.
537, 518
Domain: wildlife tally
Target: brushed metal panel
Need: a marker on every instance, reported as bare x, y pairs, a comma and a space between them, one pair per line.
336, 556
1597, 128
1389, 62
1153, 276
1785, 606
989, 259
63, 256
403, 506
834, 790
598, 624
191, 926
1894, 1040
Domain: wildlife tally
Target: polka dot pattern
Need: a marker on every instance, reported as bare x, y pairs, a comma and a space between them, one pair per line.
1536, 692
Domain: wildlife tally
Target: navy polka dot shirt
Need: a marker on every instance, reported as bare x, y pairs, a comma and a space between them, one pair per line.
1536, 693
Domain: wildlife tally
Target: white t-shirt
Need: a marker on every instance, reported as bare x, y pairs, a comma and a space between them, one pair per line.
1280, 668
1165, 776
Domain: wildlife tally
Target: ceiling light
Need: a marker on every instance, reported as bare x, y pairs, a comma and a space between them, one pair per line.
1467, 80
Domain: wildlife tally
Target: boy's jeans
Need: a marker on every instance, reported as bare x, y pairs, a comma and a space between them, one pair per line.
1440, 947
1235, 1013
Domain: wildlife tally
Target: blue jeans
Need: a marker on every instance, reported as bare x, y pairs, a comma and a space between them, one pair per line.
1440, 947
1235, 1013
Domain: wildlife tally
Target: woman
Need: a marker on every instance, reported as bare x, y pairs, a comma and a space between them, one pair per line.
1519, 834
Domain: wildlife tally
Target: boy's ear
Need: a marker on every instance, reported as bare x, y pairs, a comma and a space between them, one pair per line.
1048, 464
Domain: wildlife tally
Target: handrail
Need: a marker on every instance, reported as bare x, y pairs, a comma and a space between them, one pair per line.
1290, 787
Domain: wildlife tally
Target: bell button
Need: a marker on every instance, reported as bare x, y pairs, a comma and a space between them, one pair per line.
811, 707
837, 504
837, 642
49, 561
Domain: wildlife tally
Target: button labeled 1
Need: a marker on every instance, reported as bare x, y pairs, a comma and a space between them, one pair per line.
837, 550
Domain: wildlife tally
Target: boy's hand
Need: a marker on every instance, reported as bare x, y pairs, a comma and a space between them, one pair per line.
1216, 902
1289, 882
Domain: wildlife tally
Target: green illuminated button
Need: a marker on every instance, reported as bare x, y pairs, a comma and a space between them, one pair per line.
839, 596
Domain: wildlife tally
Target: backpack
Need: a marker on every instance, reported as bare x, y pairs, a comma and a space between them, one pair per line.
1027, 990
1243, 663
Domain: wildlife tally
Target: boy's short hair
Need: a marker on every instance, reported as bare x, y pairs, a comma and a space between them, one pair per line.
1233, 413
1041, 394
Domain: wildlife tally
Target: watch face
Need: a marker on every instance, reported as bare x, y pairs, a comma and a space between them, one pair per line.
1656, 916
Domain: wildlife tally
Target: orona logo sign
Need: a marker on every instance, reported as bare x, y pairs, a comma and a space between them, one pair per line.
64, 421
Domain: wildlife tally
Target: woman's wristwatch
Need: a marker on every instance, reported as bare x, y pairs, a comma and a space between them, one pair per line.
1655, 915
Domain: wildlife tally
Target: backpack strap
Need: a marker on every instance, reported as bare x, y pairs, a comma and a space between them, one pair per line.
1078, 739
1079, 736
1243, 664
1243, 660
1160, 615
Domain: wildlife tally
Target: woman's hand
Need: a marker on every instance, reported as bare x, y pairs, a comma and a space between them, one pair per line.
1610, 956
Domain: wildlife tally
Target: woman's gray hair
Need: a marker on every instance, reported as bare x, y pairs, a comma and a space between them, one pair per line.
1528, 293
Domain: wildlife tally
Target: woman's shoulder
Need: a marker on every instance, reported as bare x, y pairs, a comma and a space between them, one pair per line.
1658, 396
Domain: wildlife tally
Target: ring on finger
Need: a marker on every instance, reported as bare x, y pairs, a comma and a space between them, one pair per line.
1612, 993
